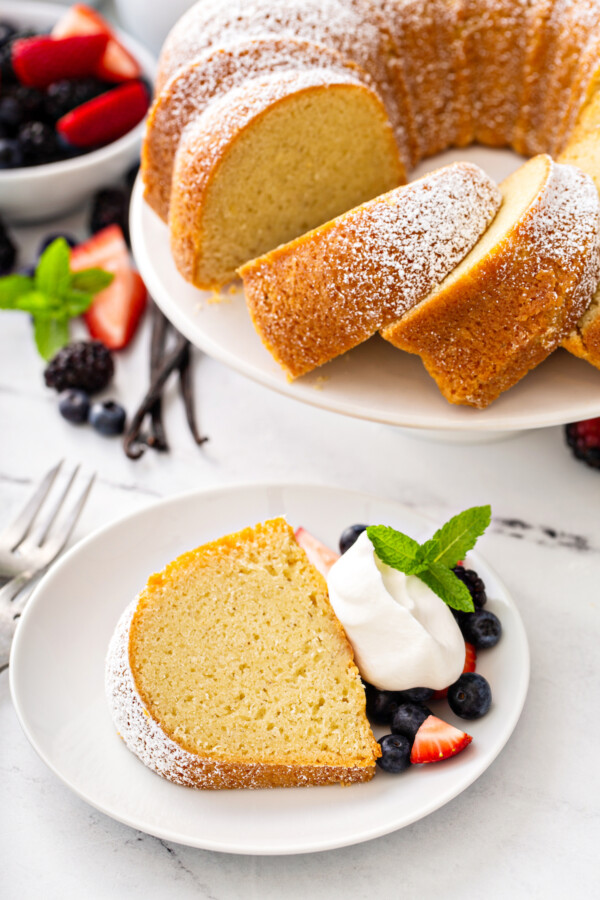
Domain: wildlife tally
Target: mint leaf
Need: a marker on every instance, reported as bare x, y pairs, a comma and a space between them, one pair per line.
50, 335
52, 275
396, 549
448, 587
77, 302
35, 302
91, 281
454, 539
12, 287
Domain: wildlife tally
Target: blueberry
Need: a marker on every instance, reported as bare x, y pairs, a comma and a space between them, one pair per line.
71, 241
395, 753
11, 156
74, 406
350, 535
11, 114
416, 695
481, 628
107, 418
408, 718
110, 207
381, 705
470, 697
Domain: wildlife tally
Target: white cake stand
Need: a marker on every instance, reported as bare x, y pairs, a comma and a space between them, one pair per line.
373, 381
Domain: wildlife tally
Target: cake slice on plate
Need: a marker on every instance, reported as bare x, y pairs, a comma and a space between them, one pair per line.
231, 670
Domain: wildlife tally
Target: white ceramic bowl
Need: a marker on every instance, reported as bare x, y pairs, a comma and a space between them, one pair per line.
43, 192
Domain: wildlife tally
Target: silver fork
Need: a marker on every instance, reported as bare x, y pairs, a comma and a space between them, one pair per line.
30, 544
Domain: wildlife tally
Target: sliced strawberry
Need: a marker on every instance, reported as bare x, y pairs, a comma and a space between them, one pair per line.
470, 663
116, 63
105, 118
436, 740
320, 556
114, 315
39, 61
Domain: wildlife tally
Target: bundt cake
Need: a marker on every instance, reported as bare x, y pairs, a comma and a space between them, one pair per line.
236, 169
305, 146
336, 286
230, 670
518, 293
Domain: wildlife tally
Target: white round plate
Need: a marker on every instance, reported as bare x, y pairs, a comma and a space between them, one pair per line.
374, 381
57, 681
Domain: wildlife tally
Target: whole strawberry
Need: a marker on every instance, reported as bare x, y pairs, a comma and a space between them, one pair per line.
584, 440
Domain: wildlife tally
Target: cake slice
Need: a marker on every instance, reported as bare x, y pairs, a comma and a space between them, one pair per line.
272, 159
518, 293
331, 289
231, 670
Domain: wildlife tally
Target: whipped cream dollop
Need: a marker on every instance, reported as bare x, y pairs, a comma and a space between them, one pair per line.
403, 635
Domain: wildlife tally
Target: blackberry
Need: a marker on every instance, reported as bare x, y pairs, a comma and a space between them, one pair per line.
110, 207
584, 440
86, 365
131, 175
8, 251
7, 73
38, 142
63, 96
7, 29
474, 583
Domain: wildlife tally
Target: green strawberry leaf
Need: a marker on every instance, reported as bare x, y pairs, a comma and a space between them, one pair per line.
454, 539
448, 587
91, 281
396, 549
12, 287
52, 275
50, 335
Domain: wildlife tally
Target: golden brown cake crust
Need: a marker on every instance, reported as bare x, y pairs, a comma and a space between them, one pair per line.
485, 329
170, 754
329, 290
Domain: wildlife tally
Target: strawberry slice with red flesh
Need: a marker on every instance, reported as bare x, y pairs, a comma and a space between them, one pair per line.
116, 62
470, 663
39, 61
115, 312
105, 118
436, 740
319, 555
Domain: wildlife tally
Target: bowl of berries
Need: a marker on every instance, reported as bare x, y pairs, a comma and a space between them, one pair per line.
74, 93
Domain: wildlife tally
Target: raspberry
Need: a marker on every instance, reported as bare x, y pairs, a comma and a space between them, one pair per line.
584, 440
86, 366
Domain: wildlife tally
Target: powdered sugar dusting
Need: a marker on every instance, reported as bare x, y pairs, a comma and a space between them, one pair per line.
210, 76
336, 286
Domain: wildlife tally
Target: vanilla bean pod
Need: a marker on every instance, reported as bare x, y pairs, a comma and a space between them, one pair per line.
187, 392
160, 325
171, 362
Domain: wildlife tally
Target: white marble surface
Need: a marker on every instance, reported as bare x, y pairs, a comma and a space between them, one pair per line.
528, 828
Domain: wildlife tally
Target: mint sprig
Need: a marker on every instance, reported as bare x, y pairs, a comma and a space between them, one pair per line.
433, 561
53, 296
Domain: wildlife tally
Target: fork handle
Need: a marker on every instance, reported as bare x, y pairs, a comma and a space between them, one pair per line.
13, 587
